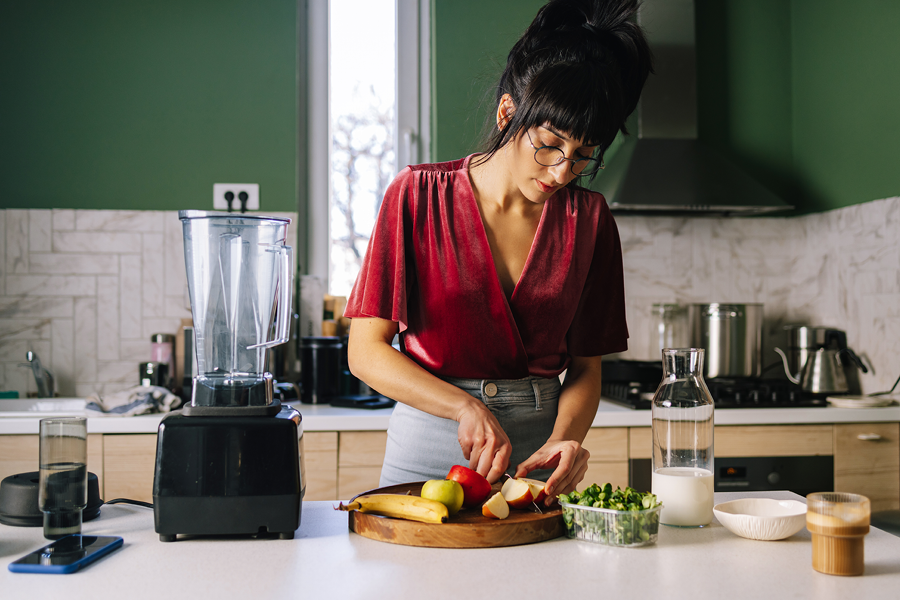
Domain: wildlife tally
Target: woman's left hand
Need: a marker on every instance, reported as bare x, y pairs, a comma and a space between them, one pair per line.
569, 460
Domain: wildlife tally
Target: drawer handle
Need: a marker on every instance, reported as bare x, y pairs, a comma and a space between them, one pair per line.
868, 437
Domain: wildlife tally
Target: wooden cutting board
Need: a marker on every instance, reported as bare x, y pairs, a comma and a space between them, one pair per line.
466, 529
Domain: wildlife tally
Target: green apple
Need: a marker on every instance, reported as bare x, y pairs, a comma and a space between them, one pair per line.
449, 493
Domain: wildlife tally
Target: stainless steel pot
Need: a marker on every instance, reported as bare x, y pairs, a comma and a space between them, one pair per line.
732, 337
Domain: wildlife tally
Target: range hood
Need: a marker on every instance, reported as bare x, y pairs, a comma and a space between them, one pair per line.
665, 169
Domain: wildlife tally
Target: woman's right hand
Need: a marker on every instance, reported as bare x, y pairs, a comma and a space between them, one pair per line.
484, 443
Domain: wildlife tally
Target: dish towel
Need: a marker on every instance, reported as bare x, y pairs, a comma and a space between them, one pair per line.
139, 400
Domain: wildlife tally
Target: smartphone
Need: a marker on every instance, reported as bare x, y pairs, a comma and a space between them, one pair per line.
66, 555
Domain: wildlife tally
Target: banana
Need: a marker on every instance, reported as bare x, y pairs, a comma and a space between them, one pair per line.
413, 508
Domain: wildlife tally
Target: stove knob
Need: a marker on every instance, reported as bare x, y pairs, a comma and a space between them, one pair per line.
754, 396
774, 477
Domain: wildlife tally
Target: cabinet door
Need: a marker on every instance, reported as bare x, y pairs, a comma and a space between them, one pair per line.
609, 457
773, 440
320, 465
129, 461
20, 454
752, 440
360, 456
867, 462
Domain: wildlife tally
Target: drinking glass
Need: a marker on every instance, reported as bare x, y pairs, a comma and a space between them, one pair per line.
62, 493
838, 523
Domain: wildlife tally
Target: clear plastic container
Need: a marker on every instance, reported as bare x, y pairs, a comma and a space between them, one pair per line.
625, 528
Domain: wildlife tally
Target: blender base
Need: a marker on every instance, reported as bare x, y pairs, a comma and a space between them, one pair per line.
234, 475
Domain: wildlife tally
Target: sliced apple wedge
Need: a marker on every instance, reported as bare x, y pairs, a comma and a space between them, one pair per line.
517, 493
496, 507
537, 488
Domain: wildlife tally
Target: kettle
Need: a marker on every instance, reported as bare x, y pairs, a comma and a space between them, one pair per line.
829, 368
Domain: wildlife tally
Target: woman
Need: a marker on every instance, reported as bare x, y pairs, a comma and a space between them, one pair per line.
499, 272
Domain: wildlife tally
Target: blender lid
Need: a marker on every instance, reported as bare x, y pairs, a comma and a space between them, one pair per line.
206, 214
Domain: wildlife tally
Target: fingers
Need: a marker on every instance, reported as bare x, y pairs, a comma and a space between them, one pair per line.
569, 483
562, 473
499, 464
570, 461
484, 443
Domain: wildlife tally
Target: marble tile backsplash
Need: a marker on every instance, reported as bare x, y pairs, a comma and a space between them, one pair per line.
86, 289
839, 268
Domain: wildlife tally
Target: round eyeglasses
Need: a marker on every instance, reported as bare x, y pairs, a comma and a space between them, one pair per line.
550, 156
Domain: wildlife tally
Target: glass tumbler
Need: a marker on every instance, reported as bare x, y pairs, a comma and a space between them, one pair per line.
62, 492
682, 412
838, 523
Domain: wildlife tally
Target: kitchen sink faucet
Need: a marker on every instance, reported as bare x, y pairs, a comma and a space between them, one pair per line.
42, 377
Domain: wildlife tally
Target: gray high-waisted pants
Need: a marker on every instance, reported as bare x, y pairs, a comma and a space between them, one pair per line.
421, 446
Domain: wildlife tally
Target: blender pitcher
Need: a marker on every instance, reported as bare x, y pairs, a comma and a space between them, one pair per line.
240, 281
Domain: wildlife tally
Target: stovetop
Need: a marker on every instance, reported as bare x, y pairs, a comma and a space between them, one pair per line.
633, 383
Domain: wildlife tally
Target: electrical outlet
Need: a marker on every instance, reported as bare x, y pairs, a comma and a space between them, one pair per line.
236, 191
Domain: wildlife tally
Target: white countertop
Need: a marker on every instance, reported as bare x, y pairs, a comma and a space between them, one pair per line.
326, 560
332, 418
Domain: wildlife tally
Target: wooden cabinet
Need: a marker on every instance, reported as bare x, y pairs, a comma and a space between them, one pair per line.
867, 462
339, 465
608, 462
866, 455
751, 440
129, 461
20, 454
360, 456
320, 466
773, 440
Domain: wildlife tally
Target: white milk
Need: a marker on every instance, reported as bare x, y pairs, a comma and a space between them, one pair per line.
686, 494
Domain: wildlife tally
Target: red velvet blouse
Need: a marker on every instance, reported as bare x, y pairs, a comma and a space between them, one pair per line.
429, 267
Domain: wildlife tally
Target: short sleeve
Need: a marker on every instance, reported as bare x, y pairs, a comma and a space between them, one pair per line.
384, 281
599, 325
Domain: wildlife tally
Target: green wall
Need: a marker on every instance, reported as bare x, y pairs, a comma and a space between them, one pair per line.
471, 39
744, 86
800, 93
130, 104
846, 100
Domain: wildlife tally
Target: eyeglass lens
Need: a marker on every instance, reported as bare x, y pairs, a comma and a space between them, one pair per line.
550, 157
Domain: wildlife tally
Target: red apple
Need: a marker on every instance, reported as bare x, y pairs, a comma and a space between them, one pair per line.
496, 507
475, 487
537, 488
517, 493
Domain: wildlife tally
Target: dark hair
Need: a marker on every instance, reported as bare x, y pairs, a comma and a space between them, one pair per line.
580, 67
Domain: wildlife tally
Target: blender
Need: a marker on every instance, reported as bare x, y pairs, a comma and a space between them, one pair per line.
231, 462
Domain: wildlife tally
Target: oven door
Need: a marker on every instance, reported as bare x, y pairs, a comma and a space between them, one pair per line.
799, 474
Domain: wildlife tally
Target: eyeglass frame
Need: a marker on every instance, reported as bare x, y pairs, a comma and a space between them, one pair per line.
564, 159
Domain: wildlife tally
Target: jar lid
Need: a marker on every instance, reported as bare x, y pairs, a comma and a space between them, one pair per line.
162, 338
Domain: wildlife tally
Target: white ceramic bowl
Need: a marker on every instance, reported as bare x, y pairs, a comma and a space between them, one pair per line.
762, 518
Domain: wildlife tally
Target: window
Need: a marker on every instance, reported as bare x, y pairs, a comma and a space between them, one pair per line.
367, 114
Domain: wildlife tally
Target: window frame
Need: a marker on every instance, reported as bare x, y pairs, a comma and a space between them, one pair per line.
412, 131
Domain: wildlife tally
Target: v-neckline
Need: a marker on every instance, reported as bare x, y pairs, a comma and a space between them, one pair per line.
487, 242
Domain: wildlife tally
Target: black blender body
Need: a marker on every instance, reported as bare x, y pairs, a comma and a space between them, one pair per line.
230, 463
228, 475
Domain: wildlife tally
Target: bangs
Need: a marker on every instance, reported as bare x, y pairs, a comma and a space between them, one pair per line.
575, 99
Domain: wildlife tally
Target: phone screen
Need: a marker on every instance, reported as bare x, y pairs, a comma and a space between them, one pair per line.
70, 550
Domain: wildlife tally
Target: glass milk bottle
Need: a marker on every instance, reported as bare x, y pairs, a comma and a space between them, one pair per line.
683, 440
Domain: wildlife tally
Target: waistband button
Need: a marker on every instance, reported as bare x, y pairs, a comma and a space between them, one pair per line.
491, 390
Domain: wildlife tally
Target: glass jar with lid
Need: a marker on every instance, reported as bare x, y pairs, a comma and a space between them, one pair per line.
682, 412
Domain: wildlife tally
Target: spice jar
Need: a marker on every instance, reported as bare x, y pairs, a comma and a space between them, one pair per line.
682, 460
